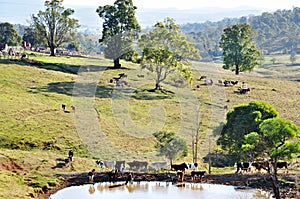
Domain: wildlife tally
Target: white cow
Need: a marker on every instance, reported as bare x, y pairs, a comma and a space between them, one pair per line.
160, 165
110, 165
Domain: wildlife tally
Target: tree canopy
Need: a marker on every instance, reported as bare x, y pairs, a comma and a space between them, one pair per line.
277, 32
9, 35
243, 120
239, 51
276, 140
55, 24
170, 145
120, 28
165, 49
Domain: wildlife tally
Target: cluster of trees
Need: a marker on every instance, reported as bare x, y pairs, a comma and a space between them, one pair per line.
277, 32
254, 131
51, 28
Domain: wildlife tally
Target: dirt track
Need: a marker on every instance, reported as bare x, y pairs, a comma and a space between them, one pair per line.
259, 181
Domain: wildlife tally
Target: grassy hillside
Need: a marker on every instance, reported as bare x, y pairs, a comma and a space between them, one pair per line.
111, 123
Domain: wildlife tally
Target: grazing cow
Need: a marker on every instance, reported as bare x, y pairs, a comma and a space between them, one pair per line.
281, 165
208, 82
137, 165
202, 77
91, 175
141, 165
122, 75
107, 164
243, 166
120, 166
131, 165
234, 82
192, 166
129, 178
243, 90
63, 106
11, 52
71, 155
179, 167
230, 83
3, 47
199, 174
244, 85
160, 165
261, 165
68, 162
73, 108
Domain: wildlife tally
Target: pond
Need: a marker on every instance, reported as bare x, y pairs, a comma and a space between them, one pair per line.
157, 190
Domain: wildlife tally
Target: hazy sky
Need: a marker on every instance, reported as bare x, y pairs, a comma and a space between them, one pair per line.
184, 4
19, 11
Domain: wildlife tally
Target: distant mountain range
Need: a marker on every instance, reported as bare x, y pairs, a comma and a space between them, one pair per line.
18, 12
148, 17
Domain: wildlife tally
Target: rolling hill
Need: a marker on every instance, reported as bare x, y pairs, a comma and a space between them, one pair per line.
111, 123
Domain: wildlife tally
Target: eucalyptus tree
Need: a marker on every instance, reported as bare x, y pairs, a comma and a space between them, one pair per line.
165, 50
55, 24
239, 51
170, 145
277, 139
120, 28
9, 35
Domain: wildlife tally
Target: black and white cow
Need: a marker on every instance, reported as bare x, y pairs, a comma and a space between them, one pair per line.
110, 165
192, 166
243, 166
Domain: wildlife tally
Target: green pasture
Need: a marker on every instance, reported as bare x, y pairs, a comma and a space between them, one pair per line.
116, 123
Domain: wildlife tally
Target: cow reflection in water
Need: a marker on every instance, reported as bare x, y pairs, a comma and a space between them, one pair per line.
92, 189
196, 186
162, 186
144, 187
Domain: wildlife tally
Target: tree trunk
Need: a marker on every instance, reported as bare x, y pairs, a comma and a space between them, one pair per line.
274, 180
275, 186
52, 49
117, 63
237, 69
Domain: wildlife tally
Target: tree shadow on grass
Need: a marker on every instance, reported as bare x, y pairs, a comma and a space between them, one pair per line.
152, 94
61, 67
67, 88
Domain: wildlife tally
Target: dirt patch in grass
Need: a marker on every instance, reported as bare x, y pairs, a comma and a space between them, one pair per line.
9, 164
257, 181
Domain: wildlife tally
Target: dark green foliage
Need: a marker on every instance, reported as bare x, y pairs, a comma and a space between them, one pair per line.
33, 38
9, 35
239, 51
120, 28
276, 32
276, 141
241, 121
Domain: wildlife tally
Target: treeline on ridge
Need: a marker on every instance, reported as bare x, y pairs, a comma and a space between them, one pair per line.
277, 32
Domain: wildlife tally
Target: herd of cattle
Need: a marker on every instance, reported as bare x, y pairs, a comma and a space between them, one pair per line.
259, 165
158, 166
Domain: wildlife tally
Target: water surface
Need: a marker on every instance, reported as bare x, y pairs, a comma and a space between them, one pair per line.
156, 190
